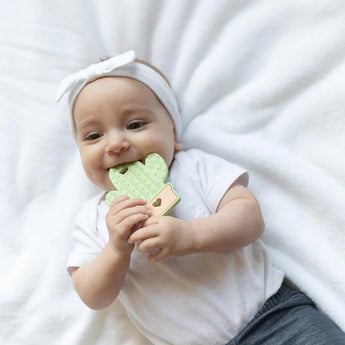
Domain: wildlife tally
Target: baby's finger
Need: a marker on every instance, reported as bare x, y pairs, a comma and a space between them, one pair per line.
126, 226
124, 202
134, 221
119, 199
148, 244
143, 234
124, 216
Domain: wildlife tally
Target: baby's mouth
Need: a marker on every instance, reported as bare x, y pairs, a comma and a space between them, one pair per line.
124, 163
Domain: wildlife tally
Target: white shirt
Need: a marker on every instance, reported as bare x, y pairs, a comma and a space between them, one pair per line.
196, 299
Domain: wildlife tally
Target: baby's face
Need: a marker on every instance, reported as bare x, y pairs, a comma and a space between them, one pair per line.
120, 120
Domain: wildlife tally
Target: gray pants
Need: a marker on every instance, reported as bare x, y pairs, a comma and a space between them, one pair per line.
290, 318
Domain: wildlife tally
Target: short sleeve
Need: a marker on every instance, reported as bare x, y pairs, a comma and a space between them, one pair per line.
204, 178
86, 241
216, 177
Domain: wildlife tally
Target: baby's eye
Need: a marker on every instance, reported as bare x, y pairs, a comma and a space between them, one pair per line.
92, 136
135, 124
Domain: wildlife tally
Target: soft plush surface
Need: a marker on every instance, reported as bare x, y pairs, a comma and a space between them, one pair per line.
260, 83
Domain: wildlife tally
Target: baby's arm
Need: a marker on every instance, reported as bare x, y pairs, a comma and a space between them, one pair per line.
99, 281
237, 223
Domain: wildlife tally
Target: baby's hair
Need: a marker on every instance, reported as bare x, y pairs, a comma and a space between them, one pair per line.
154, 68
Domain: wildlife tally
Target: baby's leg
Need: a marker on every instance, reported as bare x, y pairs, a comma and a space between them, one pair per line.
290, 318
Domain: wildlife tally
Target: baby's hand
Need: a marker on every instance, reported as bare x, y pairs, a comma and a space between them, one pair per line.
169, 235
121, 219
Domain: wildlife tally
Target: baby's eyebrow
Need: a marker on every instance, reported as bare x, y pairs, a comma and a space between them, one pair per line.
86, 124
130, 109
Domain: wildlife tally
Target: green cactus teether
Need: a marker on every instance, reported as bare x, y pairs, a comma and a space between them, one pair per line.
146, 181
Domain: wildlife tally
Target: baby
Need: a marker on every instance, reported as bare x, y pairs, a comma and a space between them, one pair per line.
199, 275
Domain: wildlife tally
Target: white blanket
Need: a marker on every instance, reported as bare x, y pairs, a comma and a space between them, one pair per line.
260, 83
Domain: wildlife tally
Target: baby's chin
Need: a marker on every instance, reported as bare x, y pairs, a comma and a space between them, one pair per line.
110, 187
106, 185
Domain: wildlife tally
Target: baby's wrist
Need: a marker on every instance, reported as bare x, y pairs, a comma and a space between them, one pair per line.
189, 237
119, 253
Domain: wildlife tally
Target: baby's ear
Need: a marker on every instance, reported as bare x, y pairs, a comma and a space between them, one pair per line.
178, 146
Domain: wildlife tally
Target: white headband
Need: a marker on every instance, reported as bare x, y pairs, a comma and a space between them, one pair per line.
123, 65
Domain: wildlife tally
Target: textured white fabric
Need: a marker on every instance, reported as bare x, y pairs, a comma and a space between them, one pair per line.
202, 298
123, 65
259, 83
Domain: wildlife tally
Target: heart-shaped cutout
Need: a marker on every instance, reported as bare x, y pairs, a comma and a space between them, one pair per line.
157, 203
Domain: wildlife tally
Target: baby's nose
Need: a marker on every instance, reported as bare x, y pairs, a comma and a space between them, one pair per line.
117, 143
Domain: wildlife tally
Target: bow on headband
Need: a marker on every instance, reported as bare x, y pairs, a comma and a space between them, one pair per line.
80, 79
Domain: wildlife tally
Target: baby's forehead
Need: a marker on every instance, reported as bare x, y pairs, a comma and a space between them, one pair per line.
121, 93
111, 80
117, 86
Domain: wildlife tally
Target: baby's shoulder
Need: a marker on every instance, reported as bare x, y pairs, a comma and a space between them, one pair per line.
195, 159
193, 156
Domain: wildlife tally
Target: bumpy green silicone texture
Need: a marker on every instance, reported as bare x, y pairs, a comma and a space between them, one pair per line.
138, 180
